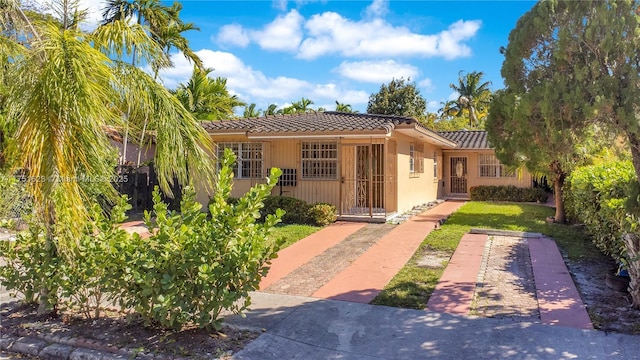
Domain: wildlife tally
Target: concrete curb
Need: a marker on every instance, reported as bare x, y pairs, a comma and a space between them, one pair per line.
494, 232
47, 346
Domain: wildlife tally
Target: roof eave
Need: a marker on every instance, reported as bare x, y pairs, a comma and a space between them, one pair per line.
427, 135
319, 135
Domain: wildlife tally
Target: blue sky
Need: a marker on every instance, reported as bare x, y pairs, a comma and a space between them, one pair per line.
279, 51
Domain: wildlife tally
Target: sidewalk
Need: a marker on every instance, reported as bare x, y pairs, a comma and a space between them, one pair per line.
308, 328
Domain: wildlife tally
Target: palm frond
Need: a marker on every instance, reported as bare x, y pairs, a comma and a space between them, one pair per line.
60, 109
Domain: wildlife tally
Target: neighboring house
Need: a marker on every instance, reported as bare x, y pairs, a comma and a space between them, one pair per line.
372, 166
473, 162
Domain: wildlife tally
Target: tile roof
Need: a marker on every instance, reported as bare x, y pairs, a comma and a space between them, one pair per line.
327, 121
468, 139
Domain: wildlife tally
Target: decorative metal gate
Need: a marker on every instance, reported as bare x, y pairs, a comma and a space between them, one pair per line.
458, 170
363, 180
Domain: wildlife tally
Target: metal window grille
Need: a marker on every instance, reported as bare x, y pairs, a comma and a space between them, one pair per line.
435, 165
319, 160
490, 166
249, 158
416, 159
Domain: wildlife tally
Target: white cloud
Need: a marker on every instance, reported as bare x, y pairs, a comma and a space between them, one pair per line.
94, 10
280, 4
376, 71
233, 34
426, 84
377, 9
253, 85
453, 96
330, 33
283, 33
433, 106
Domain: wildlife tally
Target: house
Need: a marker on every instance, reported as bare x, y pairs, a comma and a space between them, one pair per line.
367, 165
473, 162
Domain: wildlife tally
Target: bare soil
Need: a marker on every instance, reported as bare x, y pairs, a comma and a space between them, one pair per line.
610, 310
116, 329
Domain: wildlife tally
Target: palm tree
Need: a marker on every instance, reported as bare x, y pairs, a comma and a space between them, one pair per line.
170, 37
343, 107
473, 99
63, 91
250, 111
152, 18
271, 110
302, 106
206, 98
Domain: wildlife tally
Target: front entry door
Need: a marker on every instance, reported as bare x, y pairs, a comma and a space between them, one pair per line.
458, 175
363, 180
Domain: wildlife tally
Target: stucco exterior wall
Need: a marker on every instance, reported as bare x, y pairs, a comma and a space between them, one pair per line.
415, 188
522, 179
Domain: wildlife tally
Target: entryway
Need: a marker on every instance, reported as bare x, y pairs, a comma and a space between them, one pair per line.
458, 176
362, 183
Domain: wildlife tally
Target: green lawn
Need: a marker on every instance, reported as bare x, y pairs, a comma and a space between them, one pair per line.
292, 233
413, 285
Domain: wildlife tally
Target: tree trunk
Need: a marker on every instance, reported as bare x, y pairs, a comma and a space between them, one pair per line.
634, 142
558, 183
51, 250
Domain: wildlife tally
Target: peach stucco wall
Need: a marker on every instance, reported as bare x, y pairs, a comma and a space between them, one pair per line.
522, 179
415, 188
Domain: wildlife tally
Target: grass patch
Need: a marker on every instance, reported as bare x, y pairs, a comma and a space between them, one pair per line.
414, 284
292, 233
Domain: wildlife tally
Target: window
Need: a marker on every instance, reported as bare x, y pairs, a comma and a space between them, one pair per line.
320, 160
435, 165
249, 163
489, 166
416, 159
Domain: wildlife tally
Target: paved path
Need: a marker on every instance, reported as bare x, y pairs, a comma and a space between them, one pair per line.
516, 276
314, 329
351, 261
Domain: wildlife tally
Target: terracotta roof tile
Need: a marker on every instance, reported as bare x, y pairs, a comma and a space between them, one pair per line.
310, 122
468, 139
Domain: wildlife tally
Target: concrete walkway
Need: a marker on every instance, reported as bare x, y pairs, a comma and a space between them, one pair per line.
310, 328
525, 279
347, 261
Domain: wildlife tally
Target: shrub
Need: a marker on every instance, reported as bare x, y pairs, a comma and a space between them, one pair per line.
507, 193
596, 196
80, 277
15, 203
29, 265
192, 267
322, 214
189, 269
295, 210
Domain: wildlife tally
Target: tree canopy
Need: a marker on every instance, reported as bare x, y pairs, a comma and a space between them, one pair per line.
594, 44
399, 97
474, 98
545, 117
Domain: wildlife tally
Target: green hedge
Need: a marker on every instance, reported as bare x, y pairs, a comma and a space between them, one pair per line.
187, 272
507, 193
597, 197
299, 211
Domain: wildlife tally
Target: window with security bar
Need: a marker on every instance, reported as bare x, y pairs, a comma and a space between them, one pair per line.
416, 159
319, 160
490, 166
249, 158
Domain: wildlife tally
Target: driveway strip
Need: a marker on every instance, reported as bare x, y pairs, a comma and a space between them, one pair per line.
558, 298
371, 272
306, 249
